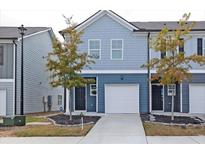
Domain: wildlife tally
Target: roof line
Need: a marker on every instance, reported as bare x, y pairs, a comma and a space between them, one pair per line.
36, 33
124, 19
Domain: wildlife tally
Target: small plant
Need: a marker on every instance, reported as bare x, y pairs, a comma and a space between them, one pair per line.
81, 114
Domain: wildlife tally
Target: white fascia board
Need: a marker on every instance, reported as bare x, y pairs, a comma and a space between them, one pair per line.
110, 14
113, 71
191, 71
35, 33
6, 41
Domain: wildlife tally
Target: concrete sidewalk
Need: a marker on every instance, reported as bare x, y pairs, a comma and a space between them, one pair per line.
117, 129
106, 140
176, 139
40, 140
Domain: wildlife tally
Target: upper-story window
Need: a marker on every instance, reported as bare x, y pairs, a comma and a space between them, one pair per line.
117, 49
201, 46
1, 55
94, 48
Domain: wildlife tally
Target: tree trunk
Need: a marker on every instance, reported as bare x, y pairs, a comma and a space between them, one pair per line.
65, 100
172, 118
70, 104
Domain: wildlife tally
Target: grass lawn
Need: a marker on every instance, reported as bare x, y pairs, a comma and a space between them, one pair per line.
166, 130
52, 130
35, 119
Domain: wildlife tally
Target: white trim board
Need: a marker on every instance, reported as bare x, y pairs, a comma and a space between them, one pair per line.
35, 33
113, 71
6, 80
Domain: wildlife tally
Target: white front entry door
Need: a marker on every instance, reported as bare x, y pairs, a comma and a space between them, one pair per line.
122, 98
197, 98
3, 102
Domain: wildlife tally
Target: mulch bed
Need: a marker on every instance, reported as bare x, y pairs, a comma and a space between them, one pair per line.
167, 119
76, 119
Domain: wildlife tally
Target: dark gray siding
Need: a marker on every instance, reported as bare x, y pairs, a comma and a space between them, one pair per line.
168, 100
8, 86
91, 101
196, 78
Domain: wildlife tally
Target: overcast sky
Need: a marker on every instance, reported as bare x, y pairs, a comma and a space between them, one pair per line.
49, 13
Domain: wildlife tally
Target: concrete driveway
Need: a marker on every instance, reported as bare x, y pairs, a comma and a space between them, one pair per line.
117, 128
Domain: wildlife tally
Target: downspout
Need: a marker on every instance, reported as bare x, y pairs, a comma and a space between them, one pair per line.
148, 71
15, 80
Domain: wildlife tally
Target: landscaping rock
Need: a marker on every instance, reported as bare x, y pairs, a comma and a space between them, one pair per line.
167, 119
76, 119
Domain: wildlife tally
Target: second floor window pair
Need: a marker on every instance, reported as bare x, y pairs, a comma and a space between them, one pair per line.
116, 49
200, 48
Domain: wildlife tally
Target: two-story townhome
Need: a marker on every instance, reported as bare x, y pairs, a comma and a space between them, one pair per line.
37, 44
120, 48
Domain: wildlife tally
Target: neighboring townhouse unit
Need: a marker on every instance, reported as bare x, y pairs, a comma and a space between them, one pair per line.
120, 48
37, 44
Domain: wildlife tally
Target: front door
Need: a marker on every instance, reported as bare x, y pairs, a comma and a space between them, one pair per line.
80, 98
157, 97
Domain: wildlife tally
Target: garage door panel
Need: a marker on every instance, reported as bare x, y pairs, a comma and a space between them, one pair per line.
197, 98
122, 98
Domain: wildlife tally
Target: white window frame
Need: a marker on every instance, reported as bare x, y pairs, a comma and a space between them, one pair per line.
95, 49
171, 91
116, 49
91, 94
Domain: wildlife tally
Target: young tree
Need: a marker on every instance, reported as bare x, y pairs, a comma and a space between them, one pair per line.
65, 63
175, 66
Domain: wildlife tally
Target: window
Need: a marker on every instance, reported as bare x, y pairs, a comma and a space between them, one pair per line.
200, 47
116, 49
163, 55
94, 48
171, 90
93, 90
60, 99
1, 55
181, 47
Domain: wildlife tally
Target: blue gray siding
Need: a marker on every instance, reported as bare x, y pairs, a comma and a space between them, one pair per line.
8, 86
190, 48
6, 70
36, 78
91, 101
196, 78
105, 29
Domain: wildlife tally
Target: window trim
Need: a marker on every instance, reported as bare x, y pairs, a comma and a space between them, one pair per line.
1, 64
91, 94
95, 49
116, 49
169, 87
61, 99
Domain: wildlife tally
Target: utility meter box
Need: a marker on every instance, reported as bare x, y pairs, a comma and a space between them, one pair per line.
14, 121
20, 120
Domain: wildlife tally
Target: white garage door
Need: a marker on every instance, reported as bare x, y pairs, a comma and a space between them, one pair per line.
122, 98
2, 102
197, 98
